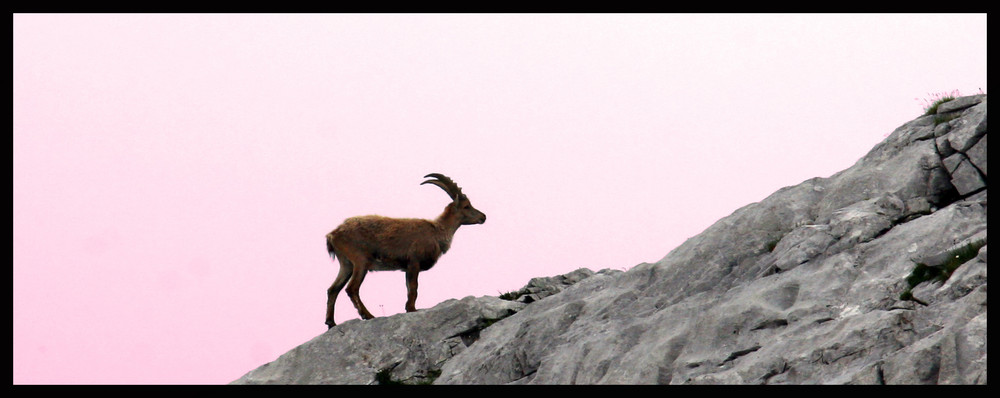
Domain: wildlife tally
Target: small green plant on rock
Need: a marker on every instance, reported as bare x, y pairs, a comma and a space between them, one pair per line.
936, 99
384, 378
938, 119
770, 245
940, 271
511, 296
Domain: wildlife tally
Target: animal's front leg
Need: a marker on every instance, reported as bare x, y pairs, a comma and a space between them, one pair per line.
411, 287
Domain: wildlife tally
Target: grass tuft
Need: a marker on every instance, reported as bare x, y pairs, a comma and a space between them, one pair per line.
940, 272
384, 378
936, 99
511, 296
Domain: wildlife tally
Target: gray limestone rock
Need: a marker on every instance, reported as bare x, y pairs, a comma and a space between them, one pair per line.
804, 287
968, 129
977, 155
960, 103
406, 348
542, 287
966, 178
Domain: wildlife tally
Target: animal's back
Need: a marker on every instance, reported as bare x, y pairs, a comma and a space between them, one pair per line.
380, 237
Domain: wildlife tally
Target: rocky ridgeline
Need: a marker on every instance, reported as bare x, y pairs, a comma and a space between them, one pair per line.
848, 279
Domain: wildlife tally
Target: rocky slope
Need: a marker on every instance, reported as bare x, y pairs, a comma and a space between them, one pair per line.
810, 285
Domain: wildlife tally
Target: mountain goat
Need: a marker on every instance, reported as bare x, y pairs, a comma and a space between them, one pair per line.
376, 243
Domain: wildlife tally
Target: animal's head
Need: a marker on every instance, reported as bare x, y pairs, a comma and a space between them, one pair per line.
460, 202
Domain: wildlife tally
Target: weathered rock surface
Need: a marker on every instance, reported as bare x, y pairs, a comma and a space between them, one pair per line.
801, 287
405, 348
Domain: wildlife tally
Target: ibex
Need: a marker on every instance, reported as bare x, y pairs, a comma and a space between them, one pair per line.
376, 243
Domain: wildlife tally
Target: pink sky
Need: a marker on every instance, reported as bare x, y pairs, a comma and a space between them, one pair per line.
175, 175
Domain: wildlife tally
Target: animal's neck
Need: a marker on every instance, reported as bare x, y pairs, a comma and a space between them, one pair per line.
448, 222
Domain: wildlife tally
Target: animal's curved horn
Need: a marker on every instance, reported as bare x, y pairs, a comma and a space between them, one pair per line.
445, 183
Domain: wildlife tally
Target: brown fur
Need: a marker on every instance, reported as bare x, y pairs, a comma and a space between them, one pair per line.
377, 243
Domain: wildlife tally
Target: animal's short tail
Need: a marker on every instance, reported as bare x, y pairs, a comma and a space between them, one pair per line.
329, 246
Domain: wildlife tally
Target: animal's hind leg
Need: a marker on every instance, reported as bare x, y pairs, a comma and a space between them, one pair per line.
354, 287
346, 269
